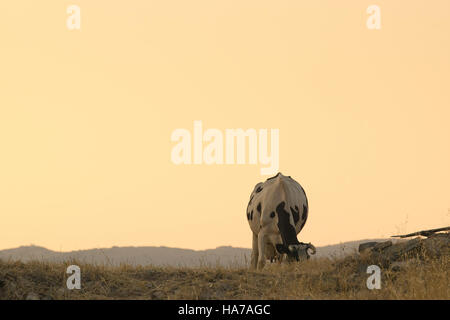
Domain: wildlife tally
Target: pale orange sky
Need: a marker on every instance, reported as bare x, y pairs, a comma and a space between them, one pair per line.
86, 118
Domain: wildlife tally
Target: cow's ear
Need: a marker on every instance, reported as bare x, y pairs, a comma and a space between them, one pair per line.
281, 248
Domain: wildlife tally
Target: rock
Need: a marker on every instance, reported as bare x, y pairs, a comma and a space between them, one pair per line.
367, 245
401, 250
382, 245
445, 235
437, 245
387, 251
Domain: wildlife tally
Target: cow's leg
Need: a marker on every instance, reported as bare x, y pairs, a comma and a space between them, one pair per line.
254, 258
261, 250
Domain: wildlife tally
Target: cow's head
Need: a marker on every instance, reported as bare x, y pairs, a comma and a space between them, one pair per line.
298, 252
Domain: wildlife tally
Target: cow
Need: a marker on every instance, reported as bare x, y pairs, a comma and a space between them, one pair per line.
277, 212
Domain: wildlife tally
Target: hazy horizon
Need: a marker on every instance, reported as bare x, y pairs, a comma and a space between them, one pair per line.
183, 248
224, 255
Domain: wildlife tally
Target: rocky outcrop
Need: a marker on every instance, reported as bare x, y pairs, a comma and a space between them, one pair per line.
430, 244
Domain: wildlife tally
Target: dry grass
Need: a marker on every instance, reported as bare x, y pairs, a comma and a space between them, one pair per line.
315, 279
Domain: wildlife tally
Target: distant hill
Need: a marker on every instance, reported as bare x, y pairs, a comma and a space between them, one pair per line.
161, 256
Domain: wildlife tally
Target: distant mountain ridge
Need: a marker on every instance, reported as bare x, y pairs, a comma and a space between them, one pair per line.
161, 256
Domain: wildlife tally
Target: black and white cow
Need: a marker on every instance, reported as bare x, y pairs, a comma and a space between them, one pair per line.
277, 212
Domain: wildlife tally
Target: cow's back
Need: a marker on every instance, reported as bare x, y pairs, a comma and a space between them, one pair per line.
267, 196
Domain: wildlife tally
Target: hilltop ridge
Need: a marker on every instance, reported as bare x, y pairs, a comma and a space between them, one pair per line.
160, 256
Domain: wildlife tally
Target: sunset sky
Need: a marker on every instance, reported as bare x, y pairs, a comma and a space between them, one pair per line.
86, 118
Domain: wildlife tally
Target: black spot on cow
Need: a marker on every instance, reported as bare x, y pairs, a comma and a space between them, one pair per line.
251, 215
251, 198
259, 189
272, 214
305, 213
287, 230
281, 248
259, 207
295, 214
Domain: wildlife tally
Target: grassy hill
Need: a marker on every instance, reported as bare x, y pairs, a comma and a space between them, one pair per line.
421, 276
